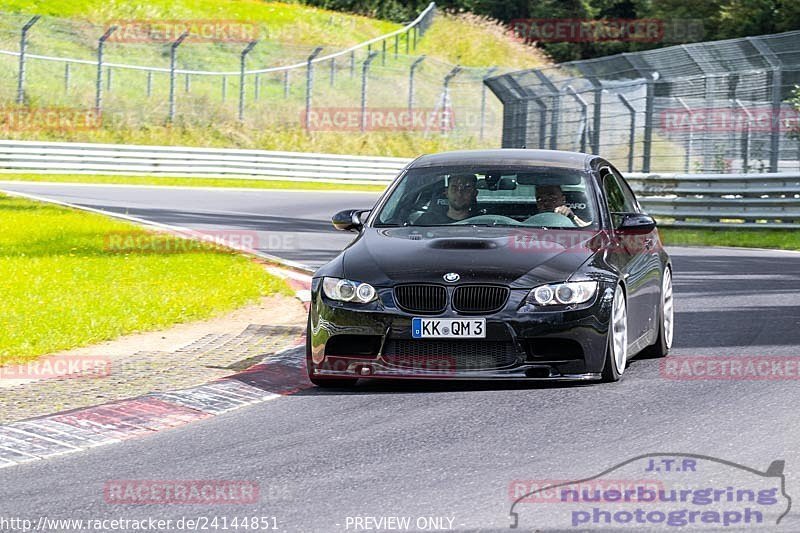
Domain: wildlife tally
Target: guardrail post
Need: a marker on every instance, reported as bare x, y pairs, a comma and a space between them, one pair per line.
445, 118
632, 133
745, 136
556, 109
172, 53
690, 140
483, 99
101, 42
364, 73
310, 81
66, 77
414, 66
584, 115
242, 62
23, 46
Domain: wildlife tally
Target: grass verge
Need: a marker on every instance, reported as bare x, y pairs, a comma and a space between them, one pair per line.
746, 238
191, 182
62, 285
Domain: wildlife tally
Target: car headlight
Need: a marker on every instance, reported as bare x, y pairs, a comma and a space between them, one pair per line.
345, 290
574, 292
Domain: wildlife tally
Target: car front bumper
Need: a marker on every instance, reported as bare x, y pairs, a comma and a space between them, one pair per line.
562, 344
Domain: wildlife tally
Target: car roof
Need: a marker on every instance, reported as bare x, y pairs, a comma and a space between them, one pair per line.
507, 156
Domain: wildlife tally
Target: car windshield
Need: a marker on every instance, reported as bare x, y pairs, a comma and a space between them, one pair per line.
540, 197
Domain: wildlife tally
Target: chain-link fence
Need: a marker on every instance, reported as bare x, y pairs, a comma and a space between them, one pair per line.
134, 73
720, 106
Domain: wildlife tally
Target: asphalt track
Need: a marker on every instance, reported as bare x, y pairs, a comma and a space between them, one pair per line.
450, 450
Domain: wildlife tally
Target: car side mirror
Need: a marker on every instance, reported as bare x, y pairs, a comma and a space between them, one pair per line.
635, 223
348, 220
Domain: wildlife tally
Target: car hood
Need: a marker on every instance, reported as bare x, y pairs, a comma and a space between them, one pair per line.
510, 256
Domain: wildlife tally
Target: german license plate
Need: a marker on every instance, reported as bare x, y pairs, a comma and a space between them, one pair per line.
449, 328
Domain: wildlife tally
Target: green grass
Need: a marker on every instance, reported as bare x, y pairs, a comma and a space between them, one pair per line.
191, 182
745, 238
63, 286
473, 41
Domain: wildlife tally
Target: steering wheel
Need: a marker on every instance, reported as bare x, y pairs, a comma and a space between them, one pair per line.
550, 219
488, 219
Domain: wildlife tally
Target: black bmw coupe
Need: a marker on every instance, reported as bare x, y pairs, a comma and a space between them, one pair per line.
493, 264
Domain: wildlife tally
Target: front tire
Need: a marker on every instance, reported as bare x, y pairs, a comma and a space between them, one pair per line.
617, 348
666, 320
319, 381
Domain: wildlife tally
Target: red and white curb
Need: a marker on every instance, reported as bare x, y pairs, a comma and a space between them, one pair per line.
282, 374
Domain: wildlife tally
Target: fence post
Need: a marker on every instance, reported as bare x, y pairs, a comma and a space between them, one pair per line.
310, 81
745, 137
396, 45
286, 83
777, 80
23, 45
172, 53
149, 83
242, 61
446, 98
333, 71
383, 52
352, 63
224, 87
584, 115
364, 72
690, 140
257, 87
483, 99
414, 66
555, 111
408, 43
66, 77
187, 84
649, 109
632, 133
101, 42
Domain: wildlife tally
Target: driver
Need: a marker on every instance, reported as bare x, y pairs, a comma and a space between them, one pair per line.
550, 198
462, 189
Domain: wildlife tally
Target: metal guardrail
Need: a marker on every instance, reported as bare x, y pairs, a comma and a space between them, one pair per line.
678, 200
85, 158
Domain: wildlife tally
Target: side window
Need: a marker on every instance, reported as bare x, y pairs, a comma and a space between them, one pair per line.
620, 200
631, 205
